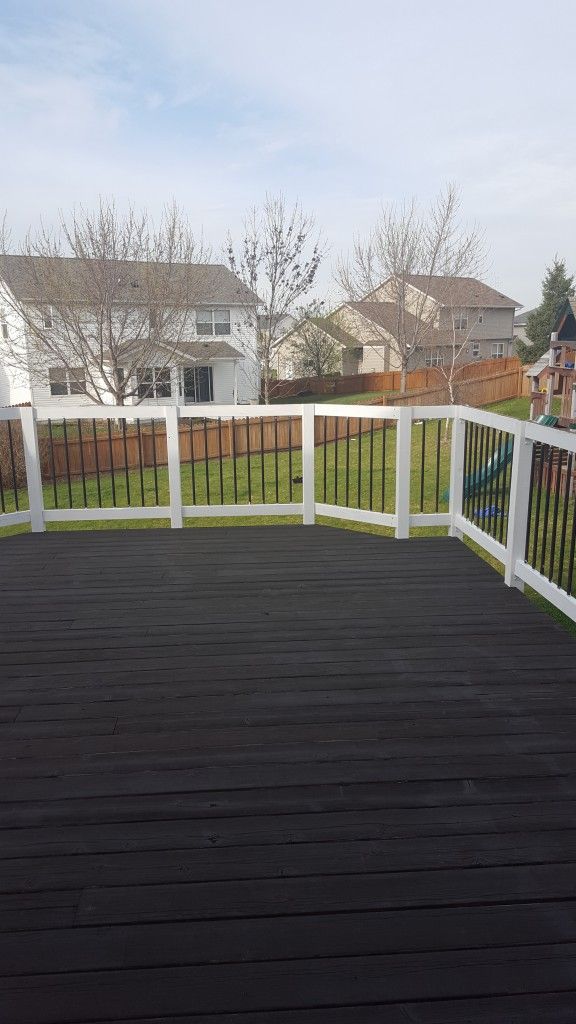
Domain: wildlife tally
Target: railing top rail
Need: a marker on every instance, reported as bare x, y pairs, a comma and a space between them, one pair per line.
369, 412
12, 413
241, 411
489, 419
99, 412
433, 412
550, 435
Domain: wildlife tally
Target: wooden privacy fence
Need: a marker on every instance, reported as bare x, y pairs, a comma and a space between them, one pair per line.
357, 383
497, 387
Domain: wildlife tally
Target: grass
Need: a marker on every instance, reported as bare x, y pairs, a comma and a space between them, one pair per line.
363, 398
347, 481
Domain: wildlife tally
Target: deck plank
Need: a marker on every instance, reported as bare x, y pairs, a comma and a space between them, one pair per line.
289, 775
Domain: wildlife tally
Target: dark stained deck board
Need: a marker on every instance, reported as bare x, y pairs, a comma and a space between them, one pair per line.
281, 774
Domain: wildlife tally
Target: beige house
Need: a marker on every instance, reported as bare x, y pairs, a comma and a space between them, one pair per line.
445, 313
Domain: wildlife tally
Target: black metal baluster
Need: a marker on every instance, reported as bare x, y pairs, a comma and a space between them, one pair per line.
140, 464
491, 487
67, 456
337, 431
82, 466
359, 463
290, 455
248, 459
538, 503
347, 461
472, 478
422, 465
503, 534
206, 462
467, 464
383, 481
234, 467
277, 485
371, 465
97, 461
13, 465
555, 515
262, 470
126, 471
111, 454
192, 460
481, 481
154, 461
550, 464
486, 518
325, 475
567, 489
220, 465
53, 464
501, 451
438, 448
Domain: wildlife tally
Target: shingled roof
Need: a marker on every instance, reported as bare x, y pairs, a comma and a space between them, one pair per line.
207, 284
462, 291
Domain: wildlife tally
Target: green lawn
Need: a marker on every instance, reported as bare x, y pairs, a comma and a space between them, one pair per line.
363, 398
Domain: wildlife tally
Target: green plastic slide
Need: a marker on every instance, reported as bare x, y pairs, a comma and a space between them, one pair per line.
475, 481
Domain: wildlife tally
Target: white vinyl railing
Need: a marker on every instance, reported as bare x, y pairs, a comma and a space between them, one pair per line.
505, 484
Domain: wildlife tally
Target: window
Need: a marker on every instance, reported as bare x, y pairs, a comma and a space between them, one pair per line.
460, 321
498, 350
197, 384
213, 321
476, 350
67, 381
154, 382
480, 318
434, 357
4, 325
47, 318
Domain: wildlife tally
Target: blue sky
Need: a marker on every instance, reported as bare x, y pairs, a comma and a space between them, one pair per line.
343, 105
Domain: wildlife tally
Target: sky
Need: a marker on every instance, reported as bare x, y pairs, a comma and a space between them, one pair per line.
343, 105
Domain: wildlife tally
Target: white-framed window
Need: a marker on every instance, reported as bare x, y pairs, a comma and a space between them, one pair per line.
154, 382
480, 318
212, 321
47, 318
197, 384
63, 381
434, 357
497, 350
4, 325
475, 350
460, 321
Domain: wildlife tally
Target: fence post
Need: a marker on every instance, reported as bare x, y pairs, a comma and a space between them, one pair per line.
308, 482
456, 471
403, 469
173, 454
518, 505
33, 470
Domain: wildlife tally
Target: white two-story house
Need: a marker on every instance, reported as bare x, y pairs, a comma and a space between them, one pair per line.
212, 358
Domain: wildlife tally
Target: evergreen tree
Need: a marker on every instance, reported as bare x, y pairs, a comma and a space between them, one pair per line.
556, 286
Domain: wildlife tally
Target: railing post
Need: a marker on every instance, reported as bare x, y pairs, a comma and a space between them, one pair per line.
518, 505
403, 470
308, 482
173, 453
33, 469
456, 471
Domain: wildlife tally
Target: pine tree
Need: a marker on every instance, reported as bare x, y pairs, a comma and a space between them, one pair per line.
556, 286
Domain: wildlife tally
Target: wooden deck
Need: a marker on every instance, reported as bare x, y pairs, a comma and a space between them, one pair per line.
281, 774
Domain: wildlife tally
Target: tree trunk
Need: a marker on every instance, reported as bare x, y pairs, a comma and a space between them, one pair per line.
403, 376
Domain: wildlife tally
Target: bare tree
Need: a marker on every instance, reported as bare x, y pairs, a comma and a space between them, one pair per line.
100, 297
316, 354
278, 259
405, 242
